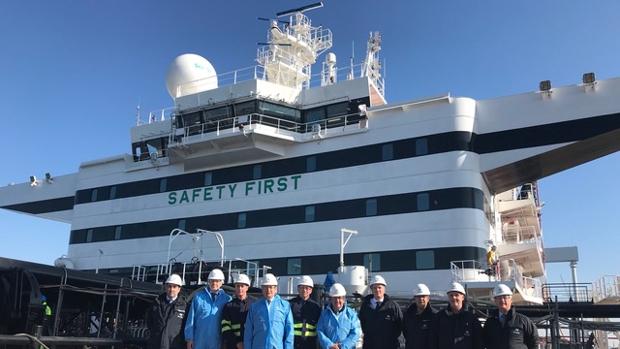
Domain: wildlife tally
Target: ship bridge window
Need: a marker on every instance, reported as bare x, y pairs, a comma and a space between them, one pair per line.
425, 259
245, 108
217, 113
293, 266
314, 115
163, 184
89, 235
280, 111
113, 192
372, 261
338, 109
93, 195
117, 232
181, 224
193, 122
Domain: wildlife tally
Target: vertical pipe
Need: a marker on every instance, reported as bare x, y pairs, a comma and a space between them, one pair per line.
105, 294
118, 308
63, 282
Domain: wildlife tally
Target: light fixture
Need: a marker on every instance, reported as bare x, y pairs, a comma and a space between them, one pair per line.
588, 78
545, 86
33, 181
48, 177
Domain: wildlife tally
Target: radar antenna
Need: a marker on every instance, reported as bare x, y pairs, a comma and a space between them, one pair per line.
292, 48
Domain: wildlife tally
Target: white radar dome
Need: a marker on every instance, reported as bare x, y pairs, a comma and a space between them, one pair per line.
188, 74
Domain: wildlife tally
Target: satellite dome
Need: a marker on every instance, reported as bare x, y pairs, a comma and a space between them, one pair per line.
188, 74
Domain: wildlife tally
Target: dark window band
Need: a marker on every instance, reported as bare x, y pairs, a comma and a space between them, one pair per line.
554, 133
400, 149
440, 199
44, 206
399, 260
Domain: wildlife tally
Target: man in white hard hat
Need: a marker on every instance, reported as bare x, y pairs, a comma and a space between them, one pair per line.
165, 317
508, 329
418, 319
202, 329
270, 321
455, 327
381, 318
234, 314
339, 327
306, 314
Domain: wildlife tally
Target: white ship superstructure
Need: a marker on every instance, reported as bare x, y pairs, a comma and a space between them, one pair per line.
278, 165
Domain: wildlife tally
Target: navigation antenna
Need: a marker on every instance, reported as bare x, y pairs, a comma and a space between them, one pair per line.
293, 47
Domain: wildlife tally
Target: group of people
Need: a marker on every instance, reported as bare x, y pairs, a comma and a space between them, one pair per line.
214, 320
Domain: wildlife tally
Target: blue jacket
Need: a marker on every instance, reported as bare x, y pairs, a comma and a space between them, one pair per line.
269, 328
204, 319
344, 328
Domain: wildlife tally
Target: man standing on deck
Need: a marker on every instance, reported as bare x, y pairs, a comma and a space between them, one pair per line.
202, 329
234, 314
381, 318
165, 318
339, 326
455, 327
418, 319
306, 313
269, 324
508, 329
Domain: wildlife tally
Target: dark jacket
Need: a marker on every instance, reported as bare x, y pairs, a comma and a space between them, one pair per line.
165, 322
305, 318
233, 321
417, 327
518, 332
381, 326
456, 331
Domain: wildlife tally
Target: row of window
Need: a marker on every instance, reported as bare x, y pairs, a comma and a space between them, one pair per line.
401, 149
279, 111
375, 206
384, 261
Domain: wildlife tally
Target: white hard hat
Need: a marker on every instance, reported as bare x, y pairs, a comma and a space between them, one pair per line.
378, 279
501, 290
421, 290
242, 279
306, 281
270, 280
174, 279
456, 287
216, 274
337, 290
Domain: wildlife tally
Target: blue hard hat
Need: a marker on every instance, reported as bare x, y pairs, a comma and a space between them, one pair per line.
43, 298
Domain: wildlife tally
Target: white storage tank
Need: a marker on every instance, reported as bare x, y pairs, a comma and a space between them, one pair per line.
353, 278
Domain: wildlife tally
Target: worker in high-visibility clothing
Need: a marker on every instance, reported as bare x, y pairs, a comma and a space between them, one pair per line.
47, 316
234, 314
202, 328
306, 313
270, 321
339, 327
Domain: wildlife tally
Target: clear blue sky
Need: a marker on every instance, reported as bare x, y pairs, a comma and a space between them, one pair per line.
72, 73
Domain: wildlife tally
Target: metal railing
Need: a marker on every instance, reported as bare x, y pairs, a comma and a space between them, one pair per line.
568, 292
236, 125
466, 270
607, 286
